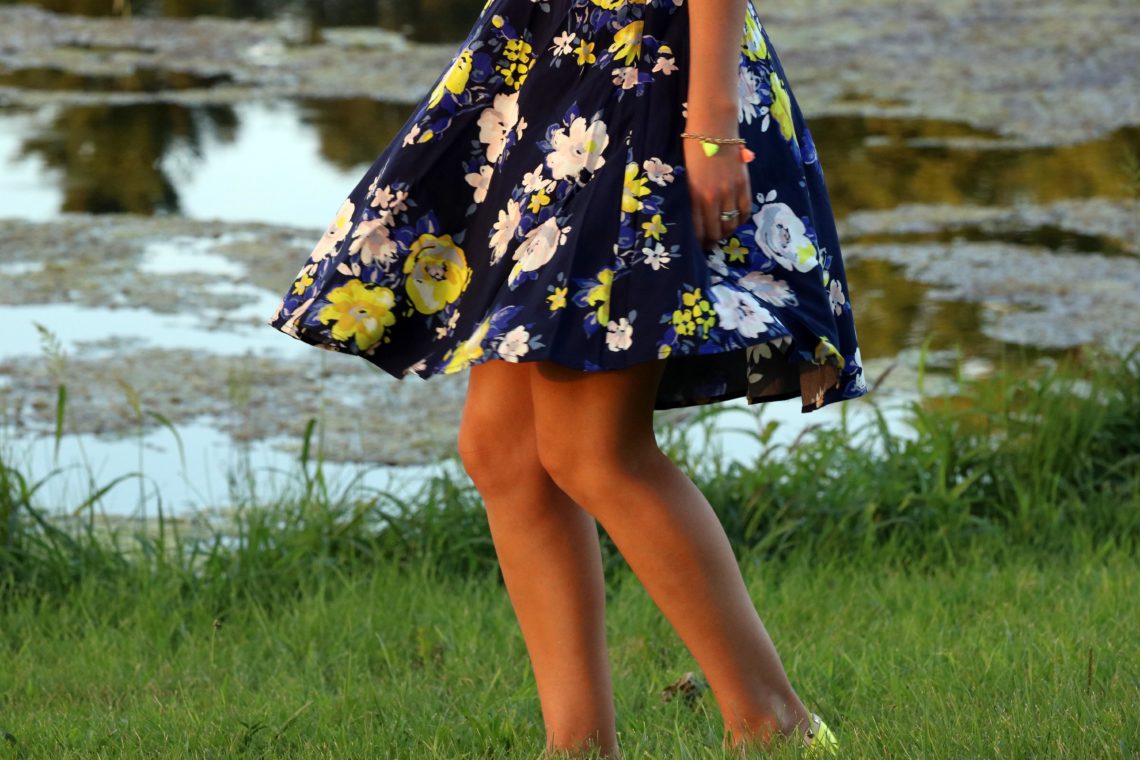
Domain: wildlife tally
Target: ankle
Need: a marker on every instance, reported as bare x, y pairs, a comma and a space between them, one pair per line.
790, 720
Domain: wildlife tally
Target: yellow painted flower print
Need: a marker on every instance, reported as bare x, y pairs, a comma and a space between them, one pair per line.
654, 228
610, 5
438, 272
454, 80
626, 46
359, 311
518, 63
782, 107
585, 51
735, 251
557, 299
754, 46
825, 349
634, 188
599, 295
302, 283
695, 312
467, 352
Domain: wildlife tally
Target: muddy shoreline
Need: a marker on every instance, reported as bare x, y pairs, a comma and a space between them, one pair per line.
1047, 73
1031, 295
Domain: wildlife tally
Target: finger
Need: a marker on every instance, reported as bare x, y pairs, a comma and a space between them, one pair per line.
729, 204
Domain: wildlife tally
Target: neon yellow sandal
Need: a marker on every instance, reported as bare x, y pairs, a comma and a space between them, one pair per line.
821, 739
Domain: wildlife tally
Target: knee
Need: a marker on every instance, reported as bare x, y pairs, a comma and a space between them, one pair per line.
591, 472
494, 453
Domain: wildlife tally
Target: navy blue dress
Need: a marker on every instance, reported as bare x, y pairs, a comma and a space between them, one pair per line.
535, 206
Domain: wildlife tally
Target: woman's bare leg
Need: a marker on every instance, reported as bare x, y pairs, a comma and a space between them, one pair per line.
595, 438
550, 557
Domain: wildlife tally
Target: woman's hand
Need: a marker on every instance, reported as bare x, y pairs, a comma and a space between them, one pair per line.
717, 183
720, 182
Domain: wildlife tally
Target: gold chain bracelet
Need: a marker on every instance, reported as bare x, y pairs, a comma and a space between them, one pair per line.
709, 138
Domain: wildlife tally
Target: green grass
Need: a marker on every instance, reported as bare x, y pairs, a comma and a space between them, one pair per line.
1026, 658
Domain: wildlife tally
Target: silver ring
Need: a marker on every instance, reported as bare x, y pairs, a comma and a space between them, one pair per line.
726, 216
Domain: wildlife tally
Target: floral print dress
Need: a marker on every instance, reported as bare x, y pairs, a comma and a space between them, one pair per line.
534, 206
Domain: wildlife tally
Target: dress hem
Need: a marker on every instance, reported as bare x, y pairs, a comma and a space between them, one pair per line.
820, 395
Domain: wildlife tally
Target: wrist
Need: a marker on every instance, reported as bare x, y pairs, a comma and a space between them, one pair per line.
714, 117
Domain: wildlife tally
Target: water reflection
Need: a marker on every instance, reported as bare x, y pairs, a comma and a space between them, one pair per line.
896, 312
423, 21
201, 161
878, 163
110, 158
143, 158
139, 80
353, 132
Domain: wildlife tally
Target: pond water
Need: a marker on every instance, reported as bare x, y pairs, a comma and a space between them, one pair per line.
437, 20
150, 237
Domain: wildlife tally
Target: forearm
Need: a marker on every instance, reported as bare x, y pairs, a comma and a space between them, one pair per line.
716, 33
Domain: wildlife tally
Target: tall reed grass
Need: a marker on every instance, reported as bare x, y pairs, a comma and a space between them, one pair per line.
1046, 461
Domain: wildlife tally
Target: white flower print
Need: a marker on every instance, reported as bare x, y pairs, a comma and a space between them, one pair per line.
625, 76
765, 350
740, 311
749, 90
767, 288
351, 269
860, 380
665, 64
579, 149
533, 181
514, 344
399, 204
337, 231
619, 335
658, 172
290, 325
656, 257
538, 247
372, 242
505, 228
419, 366
480, 180
837, 297
496, 122
413, 133
717, 262
382, 197
564, 43
782, 237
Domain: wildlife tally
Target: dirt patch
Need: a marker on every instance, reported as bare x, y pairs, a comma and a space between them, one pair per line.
365, 416
265, 58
